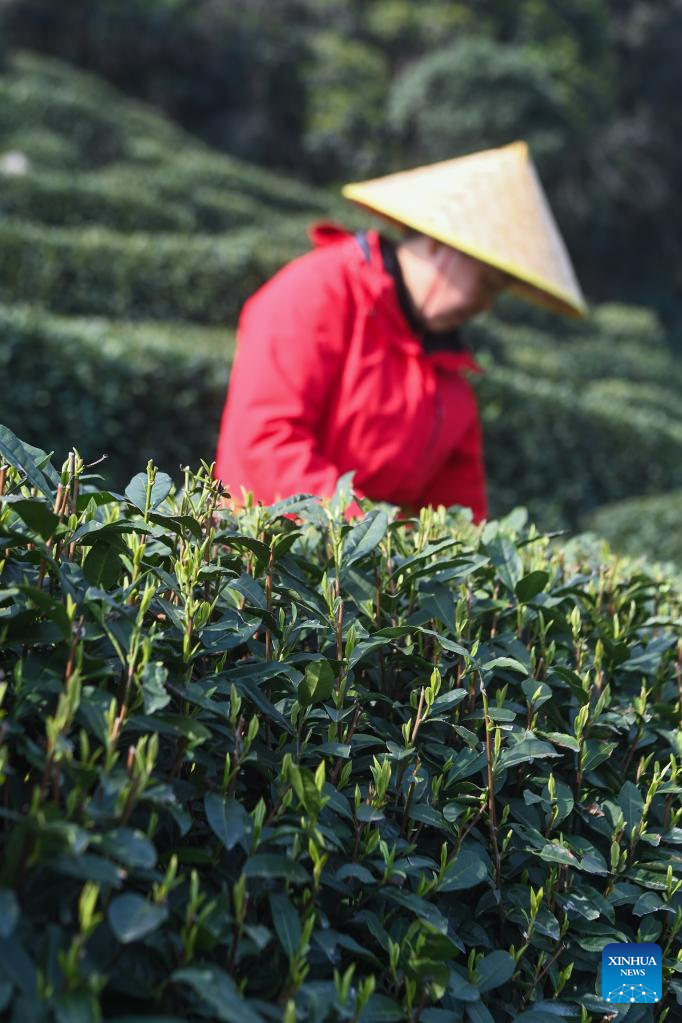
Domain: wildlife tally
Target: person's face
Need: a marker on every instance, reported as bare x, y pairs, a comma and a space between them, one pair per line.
460, 287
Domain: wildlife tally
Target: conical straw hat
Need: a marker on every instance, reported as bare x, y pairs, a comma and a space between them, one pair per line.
490, 205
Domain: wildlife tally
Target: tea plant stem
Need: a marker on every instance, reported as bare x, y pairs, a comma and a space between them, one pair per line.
377, 599
235, 755
75, 638
74, 503
492, 821
177, 764
346, 739
129, 805
472, 824
538, 976
410, 794
666, 812
339, 633
268, 603
631, 751
47, 775
472, 695
418, 719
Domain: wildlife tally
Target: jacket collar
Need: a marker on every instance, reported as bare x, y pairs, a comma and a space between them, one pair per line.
446, 348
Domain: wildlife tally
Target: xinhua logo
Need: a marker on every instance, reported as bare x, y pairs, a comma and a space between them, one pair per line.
632, 973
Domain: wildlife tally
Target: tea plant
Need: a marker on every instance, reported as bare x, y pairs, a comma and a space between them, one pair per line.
270, 764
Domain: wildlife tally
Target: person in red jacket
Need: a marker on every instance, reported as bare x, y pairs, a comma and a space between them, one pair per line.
349, 358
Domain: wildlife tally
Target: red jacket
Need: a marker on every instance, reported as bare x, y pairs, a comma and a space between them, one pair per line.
328, 376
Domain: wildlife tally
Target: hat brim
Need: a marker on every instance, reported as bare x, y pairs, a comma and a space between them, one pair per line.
552, 299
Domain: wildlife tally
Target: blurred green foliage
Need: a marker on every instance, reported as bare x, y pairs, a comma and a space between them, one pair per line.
651, 525
99, 272
128, 391
475, 89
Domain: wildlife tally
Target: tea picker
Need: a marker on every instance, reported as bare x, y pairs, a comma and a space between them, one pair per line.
350, 357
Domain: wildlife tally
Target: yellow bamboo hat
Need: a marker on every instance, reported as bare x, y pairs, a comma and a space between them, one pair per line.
490, 205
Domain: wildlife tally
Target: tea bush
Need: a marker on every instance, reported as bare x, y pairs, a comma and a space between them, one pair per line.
63, 119
660, 401
621, 322
78, 106
563, 452
132, 199
650, 524
98, 272
65, 199
614, 342
131, 391
424, 771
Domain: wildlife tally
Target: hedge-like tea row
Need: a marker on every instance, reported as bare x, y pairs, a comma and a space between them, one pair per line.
562, 453
131, 391
98, 272
422, 771
127, 201
643, 524
71, 200
622, 323
615, 342
156, 391
45, 93
64, 119
132, 199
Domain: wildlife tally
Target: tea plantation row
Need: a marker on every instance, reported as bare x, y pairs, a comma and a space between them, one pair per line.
63, 119
423, 771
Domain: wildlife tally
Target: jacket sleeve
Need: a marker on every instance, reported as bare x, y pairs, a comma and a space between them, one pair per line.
291, 343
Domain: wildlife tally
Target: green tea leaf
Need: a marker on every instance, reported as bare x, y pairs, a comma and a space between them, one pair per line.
131, 917
505, 557
270, 865
130, 847
136, 491
531, 585
364, 537
287, 923
9, 912
227, 818
469, 868
17, 454
494, 970
217, 990
102, 566
317, 685
77, 1007
526, 751
478, 1013
510, 663
597, 752
630, 801
156, 697
37, 517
